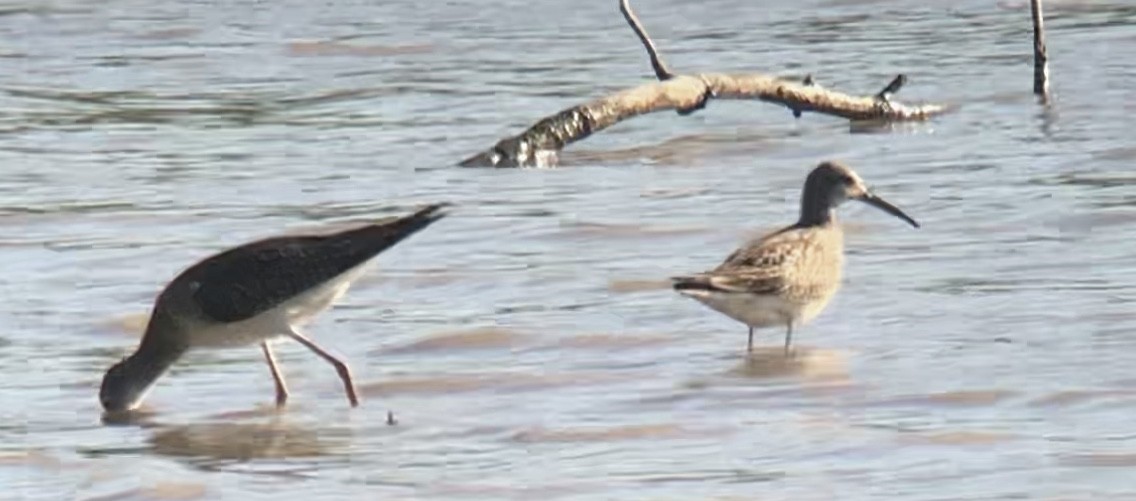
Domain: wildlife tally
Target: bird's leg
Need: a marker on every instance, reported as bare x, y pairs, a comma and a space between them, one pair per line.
340, 367
277, 377
788, 337
749, 347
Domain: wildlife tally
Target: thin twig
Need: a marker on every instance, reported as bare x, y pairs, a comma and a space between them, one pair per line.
897, 83
1040, 56
661, 71
808, 81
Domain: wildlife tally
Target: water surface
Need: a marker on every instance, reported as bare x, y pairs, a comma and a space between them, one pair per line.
528, 345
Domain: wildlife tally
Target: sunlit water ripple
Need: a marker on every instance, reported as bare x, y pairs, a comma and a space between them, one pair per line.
528, 346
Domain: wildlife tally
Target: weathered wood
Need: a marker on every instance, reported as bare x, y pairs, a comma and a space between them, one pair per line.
1040, 56
538, 146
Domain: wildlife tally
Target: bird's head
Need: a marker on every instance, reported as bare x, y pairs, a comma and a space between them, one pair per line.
831, 183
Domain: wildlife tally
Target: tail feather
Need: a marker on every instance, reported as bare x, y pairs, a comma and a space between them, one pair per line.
693, 283
421, 218
382, 235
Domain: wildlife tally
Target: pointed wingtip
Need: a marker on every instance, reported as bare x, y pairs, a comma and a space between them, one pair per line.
689, 282
432, 212
408, 224
384, 233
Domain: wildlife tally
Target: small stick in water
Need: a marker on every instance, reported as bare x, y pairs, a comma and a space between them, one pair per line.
809, 81
657, 64
892, 87
1040, 56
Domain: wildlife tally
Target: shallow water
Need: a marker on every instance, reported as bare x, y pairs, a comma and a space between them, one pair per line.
528, 345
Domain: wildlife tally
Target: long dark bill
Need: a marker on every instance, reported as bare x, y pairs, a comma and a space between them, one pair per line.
884, 205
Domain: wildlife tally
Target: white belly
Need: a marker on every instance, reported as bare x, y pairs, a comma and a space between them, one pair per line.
279, 321
757, 310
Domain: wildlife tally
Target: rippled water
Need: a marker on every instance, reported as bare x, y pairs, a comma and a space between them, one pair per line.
528, 345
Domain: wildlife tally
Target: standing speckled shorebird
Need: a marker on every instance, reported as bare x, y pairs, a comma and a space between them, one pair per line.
787, 277
253, 294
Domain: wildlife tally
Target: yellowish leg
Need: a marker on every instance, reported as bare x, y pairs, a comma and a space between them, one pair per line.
340, 367
281, 387
788, 337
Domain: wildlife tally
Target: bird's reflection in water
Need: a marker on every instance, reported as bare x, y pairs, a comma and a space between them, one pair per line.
216, 444
262, 410
146, 417
765, 363
142, 417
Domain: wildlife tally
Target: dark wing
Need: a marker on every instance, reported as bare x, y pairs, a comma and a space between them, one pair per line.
242, 282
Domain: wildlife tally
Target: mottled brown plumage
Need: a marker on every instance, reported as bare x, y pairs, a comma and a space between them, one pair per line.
787, 277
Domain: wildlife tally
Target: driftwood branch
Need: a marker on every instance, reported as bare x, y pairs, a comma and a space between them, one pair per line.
1040, 56
538, 146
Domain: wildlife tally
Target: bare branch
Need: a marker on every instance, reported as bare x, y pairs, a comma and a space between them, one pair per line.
661, 71
1040, 56
538, 146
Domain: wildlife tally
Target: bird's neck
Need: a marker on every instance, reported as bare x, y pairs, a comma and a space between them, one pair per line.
157, 351
151, 361
816, 209
816, 214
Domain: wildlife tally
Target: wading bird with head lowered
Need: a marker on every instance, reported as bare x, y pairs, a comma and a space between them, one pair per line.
253, 294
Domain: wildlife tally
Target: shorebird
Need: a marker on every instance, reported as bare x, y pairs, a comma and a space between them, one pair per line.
787, 277
254, 294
